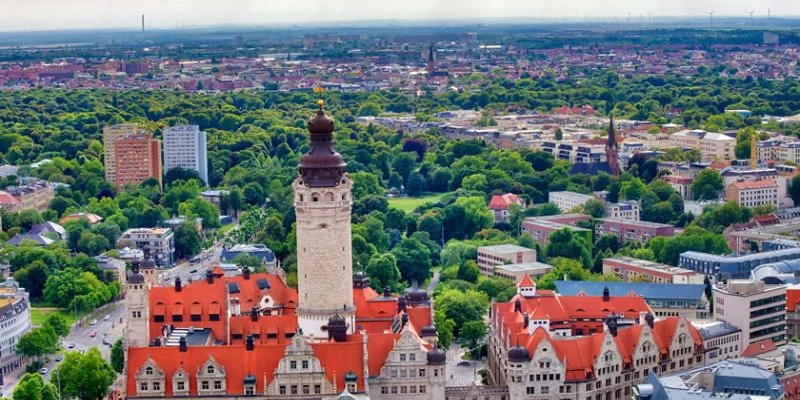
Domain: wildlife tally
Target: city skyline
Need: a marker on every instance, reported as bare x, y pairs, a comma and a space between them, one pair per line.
89, 14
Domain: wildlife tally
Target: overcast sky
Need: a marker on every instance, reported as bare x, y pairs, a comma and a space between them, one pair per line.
68, 14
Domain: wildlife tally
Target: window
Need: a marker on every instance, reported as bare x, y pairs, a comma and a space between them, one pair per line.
545, 390
177, 318
530, 390
412, 357
249, 391
384, 390
210, 369
403, 389
422, 388
158, 318
282, 389
213, 317
402, 357
217, 385
204, 385
306, 389
294, 389
143, 386
305, 364
317, 389
148, 371
292, 364
180, 386
196, 318
394, 390
156, 386
422, 372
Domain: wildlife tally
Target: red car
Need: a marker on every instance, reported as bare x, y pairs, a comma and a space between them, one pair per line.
93, 334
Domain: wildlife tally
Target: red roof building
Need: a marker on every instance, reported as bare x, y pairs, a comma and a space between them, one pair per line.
592, 347
500, 203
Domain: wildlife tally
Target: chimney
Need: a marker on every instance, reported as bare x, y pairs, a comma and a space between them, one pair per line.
517, 305
387, 291
182, 346
404, 319
251, 343
178, 286
254, 314
650, 320
209, 277
525, 321
605, 294
611, 323
157, 342
401, 304
246, 273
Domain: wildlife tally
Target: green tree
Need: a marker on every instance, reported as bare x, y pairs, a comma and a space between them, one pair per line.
403, 163
58, 323
382, 271
365, 184
187, 240
117, 356
707, 185
472, 335
594, 208
794, 189
444, 330
38, 342
252, 262
461, 306
33, 278
468, 271
33, 387
632, 189
413, 260
85, 376
564, 243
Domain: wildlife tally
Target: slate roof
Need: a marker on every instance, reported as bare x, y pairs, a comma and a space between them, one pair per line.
646, 290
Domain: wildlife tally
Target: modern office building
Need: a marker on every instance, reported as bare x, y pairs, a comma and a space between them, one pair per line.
569, 201
185, 147
755, 193
575, 152
628, 210
15, 320
634, 269
759, 310
161, 242
110, 135
137, 157
666, 300
738, 267
490, 257
627, 231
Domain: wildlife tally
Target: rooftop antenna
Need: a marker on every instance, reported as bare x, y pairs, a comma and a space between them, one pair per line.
751, 16
711, 18
142, 23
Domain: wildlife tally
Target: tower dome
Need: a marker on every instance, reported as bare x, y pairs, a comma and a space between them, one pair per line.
518, 354
322, 165
147, 262
436, 356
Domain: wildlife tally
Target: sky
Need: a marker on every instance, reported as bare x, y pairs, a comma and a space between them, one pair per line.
16, 15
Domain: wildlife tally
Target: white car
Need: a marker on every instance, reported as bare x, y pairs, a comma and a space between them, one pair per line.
94, 322
106, 318
43, 371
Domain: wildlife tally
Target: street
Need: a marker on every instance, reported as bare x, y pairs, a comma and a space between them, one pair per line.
209, 258
80, 337
461, 375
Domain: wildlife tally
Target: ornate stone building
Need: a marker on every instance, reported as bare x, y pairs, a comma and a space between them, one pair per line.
253, 336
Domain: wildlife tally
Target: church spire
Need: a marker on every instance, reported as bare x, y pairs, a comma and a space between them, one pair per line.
612, 149
322, 165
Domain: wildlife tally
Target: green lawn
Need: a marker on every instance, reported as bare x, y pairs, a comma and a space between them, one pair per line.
227, 228
409, 204
38, 315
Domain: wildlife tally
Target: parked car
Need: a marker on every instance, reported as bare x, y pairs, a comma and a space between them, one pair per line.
43, 371
58, 358
93, 334
71, 346
194, 271
463, 364
94, 322
106, 318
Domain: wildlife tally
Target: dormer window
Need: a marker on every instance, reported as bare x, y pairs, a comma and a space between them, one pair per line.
210, 369
148, 371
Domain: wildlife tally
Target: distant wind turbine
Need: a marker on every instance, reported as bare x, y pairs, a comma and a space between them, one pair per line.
751, 16
711, 18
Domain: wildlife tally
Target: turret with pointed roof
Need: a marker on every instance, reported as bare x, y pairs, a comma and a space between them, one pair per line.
612, 149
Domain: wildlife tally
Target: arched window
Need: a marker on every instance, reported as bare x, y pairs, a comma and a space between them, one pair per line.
210, 369
148, 371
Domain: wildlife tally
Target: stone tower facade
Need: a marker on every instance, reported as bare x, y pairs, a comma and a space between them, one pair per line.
137, 310
323, 202
612, 149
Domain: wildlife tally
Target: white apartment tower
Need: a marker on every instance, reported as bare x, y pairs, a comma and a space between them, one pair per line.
323, 203
185, 147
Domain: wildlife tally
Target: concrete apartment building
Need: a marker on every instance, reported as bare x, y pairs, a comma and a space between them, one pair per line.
628, 210
185, 147
759, 310
516, 272
568, 201
161, 242
540, 228
490, 257
633, 269
36, 195
778, 150
110, 135
626, 231
754, 194
681, 184
712, 146
15, 320
138, 157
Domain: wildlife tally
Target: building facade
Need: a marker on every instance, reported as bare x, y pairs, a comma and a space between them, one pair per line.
110, 135
569, 201
627, 231
499, 206
738, 267
15, 320
161, 242
185, 147
137, 158
36, 195
490, 257
712, 146
759, 310
721, 340
628, 210
633, 269
540, 228
754, 194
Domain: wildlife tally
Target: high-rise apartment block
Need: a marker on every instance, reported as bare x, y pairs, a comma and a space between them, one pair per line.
137, 157
185, 147
759, 310
110, 135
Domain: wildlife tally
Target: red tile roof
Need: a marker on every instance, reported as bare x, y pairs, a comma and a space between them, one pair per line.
762, 183
760, 347
792, 297
526, 281
503, 201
